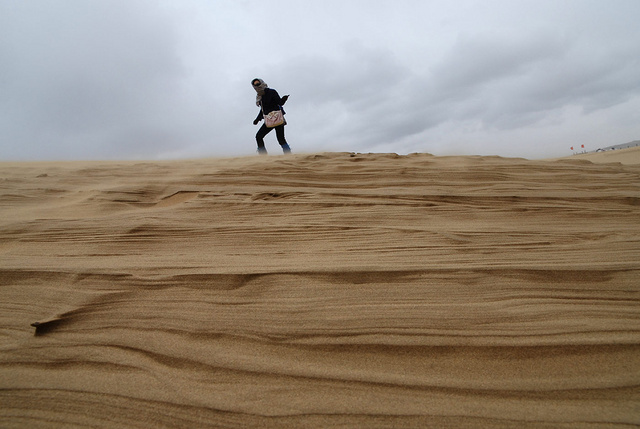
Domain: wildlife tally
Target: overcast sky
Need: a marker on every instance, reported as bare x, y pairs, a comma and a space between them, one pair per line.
137, 79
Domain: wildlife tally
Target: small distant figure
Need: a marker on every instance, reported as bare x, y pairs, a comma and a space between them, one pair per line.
270, 105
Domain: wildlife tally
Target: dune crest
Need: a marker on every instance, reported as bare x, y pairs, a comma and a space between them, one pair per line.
322, 290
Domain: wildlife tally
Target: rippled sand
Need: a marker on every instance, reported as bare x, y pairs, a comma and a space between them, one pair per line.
330, 290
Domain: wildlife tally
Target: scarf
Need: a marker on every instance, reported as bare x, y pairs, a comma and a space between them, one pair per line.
259, 89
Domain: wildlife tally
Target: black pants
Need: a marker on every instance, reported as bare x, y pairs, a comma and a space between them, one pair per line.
264, 130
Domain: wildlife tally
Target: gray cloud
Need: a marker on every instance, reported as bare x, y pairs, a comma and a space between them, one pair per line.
85, 75
142, 79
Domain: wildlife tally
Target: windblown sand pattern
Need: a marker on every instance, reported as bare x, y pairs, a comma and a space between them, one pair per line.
331, 290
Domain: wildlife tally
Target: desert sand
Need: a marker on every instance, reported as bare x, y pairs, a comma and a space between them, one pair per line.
626, 156
327, 290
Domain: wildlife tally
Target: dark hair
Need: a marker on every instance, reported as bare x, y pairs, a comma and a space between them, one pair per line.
255, 82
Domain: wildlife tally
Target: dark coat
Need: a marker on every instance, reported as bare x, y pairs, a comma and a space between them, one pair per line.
270, 101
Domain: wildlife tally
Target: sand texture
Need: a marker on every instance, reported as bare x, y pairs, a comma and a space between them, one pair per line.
333, 290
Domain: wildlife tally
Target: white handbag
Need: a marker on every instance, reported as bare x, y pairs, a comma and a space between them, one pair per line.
273, 119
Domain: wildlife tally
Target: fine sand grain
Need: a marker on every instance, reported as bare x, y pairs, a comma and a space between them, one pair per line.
333, 290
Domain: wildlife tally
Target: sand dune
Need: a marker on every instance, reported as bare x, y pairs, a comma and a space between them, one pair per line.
329, 290
625, 156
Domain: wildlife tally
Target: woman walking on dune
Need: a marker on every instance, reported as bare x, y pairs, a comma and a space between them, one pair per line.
272, 112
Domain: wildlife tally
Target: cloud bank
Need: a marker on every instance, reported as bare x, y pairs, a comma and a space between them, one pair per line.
140, 79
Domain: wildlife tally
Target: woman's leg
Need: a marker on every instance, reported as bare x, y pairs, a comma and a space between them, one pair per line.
263, 131
281, 139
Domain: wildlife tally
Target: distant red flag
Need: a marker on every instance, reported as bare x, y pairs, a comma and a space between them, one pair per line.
582, 146
571, 147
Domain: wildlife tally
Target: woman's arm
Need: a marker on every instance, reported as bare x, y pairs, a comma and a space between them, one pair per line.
258, 118
280, 101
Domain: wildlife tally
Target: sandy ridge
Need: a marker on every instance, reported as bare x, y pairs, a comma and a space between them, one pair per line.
325, 290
